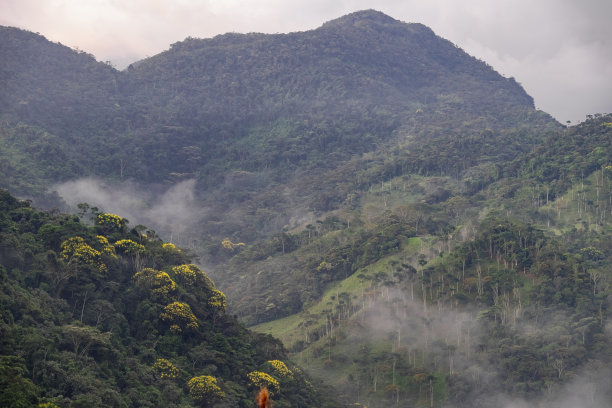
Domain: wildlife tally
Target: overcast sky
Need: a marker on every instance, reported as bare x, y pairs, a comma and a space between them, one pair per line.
559, 50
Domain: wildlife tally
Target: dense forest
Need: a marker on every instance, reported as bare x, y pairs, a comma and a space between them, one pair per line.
97, 313
392, 210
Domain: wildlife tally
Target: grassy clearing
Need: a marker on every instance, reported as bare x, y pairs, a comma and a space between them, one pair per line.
295, 328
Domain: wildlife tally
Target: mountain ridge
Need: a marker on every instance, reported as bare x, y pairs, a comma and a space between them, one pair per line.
248, 97
282, 110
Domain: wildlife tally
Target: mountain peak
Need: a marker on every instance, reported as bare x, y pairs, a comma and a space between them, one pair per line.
362, 17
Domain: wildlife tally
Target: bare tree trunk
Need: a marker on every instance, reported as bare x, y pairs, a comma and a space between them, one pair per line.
83, 308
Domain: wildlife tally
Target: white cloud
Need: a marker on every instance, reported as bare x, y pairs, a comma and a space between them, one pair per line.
171, 211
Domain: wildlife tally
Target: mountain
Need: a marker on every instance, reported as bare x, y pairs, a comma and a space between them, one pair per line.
393, 209
254, 116
245, 103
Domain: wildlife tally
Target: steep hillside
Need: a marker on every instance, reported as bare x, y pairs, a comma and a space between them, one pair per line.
65, 91
109, 316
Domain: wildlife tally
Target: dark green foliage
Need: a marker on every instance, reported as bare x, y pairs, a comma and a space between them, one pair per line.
79, 335
16, 390
565, 157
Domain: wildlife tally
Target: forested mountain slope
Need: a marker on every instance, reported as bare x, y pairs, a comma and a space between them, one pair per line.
105, 315
241, 113
499, 298
406, 203
394, 210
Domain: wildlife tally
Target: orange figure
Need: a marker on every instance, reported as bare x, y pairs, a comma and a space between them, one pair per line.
263, 398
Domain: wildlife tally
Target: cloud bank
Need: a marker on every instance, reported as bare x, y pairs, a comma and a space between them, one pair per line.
409, 326
172, 212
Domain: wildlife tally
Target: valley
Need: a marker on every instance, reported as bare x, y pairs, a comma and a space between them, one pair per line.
383, 215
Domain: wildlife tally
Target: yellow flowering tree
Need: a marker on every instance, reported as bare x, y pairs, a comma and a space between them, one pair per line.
192, 275
180, 317
279, 369
160, 286
144, 277
170, 254
75, 251
105, 247
129, 247
259, 379
217, 300
132, 251
205, 389
227, 244
165, 369
169, 246
110, 222
163, 287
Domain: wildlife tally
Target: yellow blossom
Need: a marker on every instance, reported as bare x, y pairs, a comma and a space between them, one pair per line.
192, 275
110, 221
180, 317
76, 250
162, 288
204, 387
217, 299
260, 379
166, 369
280, 369
107, 248
168, 246
227, 244
127, 246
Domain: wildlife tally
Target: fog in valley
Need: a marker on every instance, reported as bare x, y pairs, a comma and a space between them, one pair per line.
172, 211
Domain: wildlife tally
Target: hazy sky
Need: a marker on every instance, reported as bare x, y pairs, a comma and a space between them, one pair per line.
559, 50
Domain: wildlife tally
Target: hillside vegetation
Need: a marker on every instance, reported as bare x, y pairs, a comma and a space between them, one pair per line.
395, 211
250, 115
505, 308
110, 316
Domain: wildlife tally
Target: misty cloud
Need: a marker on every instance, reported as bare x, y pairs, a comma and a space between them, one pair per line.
416, 326
589, 389
393, 317
171, 211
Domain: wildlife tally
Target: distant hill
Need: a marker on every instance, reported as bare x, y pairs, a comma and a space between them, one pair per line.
244, 98
244, 114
